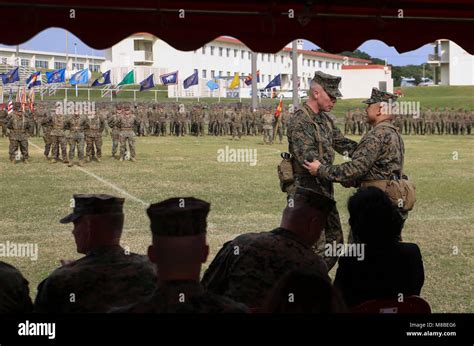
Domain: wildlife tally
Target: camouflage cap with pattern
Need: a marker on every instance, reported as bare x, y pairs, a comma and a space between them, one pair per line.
86, 204
380, 96
179, 216
329, 83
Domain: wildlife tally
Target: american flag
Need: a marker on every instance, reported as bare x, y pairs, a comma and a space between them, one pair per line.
10, 102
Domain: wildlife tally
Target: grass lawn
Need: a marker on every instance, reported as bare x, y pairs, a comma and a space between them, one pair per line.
243, 198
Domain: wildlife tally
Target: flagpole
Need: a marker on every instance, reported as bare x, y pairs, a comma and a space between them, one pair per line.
198, 91
219, 90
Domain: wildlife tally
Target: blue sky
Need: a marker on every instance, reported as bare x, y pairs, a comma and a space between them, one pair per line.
53, 39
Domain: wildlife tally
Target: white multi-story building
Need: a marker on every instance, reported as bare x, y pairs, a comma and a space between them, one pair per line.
451, 64
226, 56
33, 59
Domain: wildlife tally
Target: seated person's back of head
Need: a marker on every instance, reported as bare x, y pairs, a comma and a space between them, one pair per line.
388, 267
302, 291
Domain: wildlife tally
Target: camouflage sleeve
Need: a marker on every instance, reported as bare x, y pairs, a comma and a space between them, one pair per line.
341, 144
215, 278
362, 160
304, 144
111, 122
102, 124
9, 122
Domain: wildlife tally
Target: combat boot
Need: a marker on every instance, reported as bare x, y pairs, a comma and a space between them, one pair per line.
46, 157
98, 159
13, 161
70, 164
26, 161
121, 159
81, 163
54, 161
88, 159
133, 159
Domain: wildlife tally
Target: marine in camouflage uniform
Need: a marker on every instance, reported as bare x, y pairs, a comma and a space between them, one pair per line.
3, 121
277, 127
14, 292
115, 131
47, 127
58, 137
378, 156
247, 268
94, 127
315, 136
178, 226
107, 275
76, 124
267, 127
237, 122
125, 124
19, 126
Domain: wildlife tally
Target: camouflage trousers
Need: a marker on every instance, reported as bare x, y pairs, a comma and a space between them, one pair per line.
237, 130
127, 136
77, 140
115, 141
47, 143
332, 232
56, 142
279, 132
18, 142
94, 146
268, 135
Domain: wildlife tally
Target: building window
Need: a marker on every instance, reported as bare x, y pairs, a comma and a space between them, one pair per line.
204, 74
327, 64
333, 66
281, 58
249, 55
220, 73
212, 50
242, 54
3, 60
268, 57
220, 51
228, 52
213, 74
25, 62
77, 66
59, 64
94, 67
41, 64
320, 64
235, 53
228, 73
274, 58
203, 50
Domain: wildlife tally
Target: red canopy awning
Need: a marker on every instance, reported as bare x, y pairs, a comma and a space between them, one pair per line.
264, 26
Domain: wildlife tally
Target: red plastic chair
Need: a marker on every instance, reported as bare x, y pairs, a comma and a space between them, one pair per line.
410, 305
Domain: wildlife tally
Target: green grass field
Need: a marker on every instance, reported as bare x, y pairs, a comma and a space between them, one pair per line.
244, 198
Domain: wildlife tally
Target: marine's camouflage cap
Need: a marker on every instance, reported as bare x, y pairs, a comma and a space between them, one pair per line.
329, 83
85, 204
179, 216
315, 199
380, 96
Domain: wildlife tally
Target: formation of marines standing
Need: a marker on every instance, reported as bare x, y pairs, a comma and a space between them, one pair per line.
428, 122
